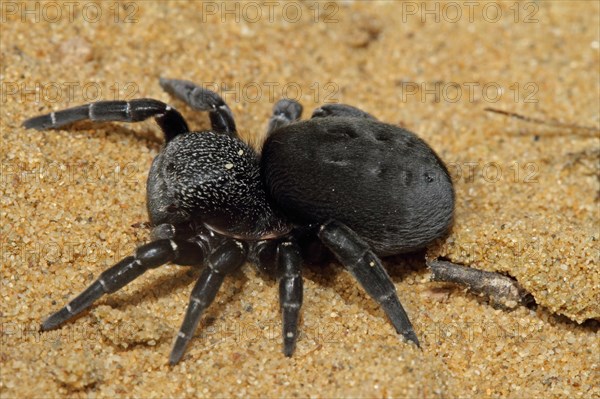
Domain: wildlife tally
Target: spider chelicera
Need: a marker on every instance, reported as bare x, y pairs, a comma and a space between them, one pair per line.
342, 179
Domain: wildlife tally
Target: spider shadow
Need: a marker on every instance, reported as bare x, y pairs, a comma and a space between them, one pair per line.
149, 136
400, 266
157, 288
165, 285
326, 272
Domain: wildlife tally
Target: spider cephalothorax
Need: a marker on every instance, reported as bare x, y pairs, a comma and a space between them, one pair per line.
215, 180
361, 187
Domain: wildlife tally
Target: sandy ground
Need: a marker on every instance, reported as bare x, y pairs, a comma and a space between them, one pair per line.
73, 201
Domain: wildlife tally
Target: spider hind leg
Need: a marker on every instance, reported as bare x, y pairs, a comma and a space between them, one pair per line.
366, 267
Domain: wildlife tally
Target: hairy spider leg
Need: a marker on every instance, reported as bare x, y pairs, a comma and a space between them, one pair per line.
201, 99
329, 110
222, 261
168, 118
289, 261
285, 111
358, 258
148, 256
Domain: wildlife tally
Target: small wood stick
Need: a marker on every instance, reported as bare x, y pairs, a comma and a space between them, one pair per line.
503, 291
553, 123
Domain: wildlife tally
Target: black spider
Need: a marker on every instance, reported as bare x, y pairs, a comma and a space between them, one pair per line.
361, 187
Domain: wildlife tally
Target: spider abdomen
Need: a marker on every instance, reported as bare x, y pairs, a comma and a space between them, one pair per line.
382, 181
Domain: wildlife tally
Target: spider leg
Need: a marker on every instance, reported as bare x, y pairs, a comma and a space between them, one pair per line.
330, 110
263, 254
169, 119
285, 111
290, 292
146, 257
365, 266
202, 99
222, 261
283, 259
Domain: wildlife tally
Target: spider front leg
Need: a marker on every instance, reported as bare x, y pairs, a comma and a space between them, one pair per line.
148, 256
170, 121
222, 261
202, 99
366, 267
